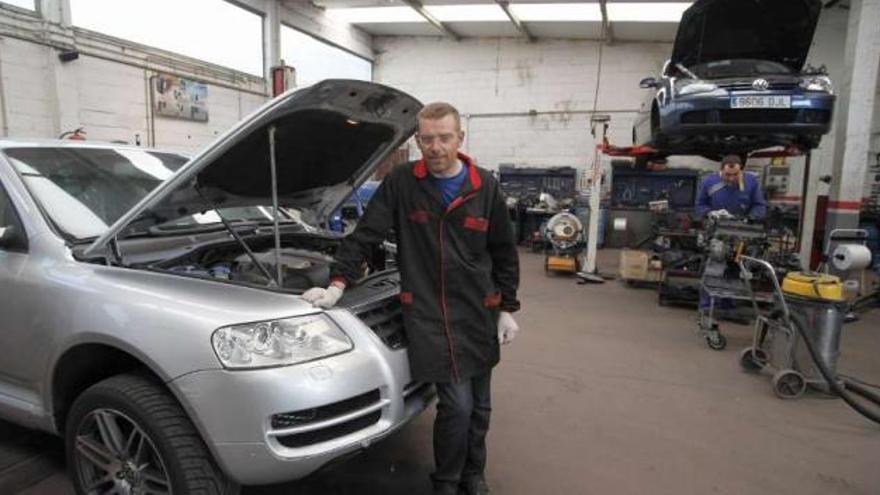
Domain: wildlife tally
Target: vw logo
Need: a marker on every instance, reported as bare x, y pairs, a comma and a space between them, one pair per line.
760, 84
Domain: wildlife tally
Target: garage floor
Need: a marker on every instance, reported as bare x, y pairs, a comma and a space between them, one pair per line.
604, 392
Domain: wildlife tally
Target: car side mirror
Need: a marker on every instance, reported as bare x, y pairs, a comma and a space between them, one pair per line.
12, 239
648, 82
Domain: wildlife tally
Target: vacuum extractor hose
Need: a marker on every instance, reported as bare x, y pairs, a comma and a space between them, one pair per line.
857, 388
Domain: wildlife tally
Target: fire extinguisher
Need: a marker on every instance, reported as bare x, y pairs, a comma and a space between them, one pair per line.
77, 135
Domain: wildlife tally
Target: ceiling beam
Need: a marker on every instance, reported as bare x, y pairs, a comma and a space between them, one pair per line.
607, 32
505, 6
418, 7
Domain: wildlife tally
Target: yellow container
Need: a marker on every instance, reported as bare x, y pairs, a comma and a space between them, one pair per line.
813, 286
561, 264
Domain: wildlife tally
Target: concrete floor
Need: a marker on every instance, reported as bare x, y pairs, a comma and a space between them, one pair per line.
605, 392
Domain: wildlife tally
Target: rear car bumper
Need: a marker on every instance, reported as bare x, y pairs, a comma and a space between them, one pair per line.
272, 425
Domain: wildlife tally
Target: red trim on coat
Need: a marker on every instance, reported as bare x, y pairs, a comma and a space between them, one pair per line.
478, 224
420, 170
419, 216
406, 298
492, 301
476, 181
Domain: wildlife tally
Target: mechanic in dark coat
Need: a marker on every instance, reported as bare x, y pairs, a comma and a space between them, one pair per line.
459, 273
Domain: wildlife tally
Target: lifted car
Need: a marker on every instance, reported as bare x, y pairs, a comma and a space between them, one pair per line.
151, 308
736, 82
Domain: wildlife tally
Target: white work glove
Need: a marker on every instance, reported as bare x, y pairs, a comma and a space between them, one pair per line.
507, 328
323, 298
719, 214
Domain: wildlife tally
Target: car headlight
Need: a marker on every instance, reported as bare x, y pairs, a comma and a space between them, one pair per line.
279, 342
818, 83
696, 87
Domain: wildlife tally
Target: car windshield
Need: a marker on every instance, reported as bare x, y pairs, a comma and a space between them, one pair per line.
738, 67
85, 190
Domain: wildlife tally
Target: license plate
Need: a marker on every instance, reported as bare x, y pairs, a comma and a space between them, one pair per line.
764, 101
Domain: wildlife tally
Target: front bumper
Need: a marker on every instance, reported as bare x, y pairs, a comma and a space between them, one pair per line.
810, 114
278, 424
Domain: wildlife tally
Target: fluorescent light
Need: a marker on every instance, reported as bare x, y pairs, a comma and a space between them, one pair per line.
647, 12
467, 13
572, 12
375, 15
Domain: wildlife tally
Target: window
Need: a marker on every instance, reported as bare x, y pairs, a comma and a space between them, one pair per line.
12, 234
84, 190
225, 34
315, 60
24, 4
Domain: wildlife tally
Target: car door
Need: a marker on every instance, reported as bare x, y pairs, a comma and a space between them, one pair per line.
18, 383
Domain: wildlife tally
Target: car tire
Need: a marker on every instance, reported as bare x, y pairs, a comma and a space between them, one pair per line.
129, 431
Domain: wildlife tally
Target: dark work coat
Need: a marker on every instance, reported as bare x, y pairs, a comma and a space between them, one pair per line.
458, 267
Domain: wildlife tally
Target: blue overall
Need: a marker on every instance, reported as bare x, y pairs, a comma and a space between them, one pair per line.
741, 200
715, 194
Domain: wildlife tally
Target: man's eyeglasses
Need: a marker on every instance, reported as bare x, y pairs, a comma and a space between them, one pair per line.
428, 139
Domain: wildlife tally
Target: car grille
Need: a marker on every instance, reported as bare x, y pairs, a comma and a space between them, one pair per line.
325, 434
758, 116
816, 116
695, 117
319, 424
386, 321
747, 86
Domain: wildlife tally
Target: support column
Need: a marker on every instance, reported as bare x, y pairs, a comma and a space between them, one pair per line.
64, 88
856, 104
55, 11
271, 40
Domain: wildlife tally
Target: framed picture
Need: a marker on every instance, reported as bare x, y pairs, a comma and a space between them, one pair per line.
180, 98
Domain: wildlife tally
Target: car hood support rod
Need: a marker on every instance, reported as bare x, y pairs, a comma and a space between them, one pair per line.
247, 249
274, 171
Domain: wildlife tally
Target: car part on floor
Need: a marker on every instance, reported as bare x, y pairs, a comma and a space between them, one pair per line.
565, 234
808, 307
726, 240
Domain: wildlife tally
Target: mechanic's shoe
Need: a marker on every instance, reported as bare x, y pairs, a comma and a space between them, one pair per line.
445, 489
475, 485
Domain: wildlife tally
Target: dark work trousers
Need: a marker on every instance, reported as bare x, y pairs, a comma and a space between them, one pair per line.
460, 429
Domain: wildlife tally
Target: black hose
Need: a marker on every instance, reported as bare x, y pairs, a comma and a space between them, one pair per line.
832, 381
859, 381
860, 389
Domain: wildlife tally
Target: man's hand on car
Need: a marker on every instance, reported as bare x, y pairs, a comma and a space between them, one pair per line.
324, 298
507, 328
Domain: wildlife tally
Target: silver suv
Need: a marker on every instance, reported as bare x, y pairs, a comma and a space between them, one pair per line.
151, 309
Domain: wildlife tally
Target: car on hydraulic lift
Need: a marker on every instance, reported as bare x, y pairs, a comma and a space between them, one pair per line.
736, 82
151, 303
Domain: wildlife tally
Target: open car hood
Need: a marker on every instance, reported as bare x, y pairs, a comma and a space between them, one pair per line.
329, 138
777, 30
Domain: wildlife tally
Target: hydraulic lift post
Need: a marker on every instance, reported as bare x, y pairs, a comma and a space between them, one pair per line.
589, 272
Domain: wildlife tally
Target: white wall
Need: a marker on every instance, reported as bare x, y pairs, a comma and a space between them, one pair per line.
106, 90
511, 76
495, 83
